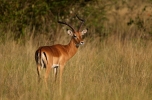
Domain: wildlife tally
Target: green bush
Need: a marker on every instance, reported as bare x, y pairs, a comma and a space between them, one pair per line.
17, 15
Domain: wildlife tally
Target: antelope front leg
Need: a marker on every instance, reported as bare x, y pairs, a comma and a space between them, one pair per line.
55, 72
60, 78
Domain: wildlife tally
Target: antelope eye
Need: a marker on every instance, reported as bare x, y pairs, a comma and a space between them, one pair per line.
74, 36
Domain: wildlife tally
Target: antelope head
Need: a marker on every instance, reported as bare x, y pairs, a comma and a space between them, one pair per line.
76, 35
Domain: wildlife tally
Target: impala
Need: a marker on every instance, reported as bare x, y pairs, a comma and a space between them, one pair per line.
56, 56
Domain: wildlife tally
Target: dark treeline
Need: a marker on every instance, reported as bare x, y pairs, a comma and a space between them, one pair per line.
42, 15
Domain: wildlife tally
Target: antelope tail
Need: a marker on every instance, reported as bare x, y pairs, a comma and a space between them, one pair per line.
41, 58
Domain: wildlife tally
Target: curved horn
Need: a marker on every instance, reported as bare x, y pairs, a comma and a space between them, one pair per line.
82, 21
67, 25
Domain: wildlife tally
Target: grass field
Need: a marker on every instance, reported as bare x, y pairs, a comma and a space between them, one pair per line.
109, 70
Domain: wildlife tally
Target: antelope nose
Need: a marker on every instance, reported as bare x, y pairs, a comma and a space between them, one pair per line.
81, 42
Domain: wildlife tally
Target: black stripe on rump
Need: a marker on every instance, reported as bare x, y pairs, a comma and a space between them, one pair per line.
45, 57
43, 64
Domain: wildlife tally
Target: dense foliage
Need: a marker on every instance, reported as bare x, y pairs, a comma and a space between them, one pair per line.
40, 16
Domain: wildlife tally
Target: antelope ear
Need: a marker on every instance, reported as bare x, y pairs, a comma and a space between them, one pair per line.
84, 31
70, 32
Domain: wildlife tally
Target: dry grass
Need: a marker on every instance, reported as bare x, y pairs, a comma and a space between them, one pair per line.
117, 68
107, 70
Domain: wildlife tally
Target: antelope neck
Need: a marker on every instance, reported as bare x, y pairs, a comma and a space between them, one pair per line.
72, 47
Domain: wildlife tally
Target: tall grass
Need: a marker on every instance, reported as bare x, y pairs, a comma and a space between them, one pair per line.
101, 70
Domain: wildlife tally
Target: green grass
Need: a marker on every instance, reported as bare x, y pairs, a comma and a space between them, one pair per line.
107, 70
